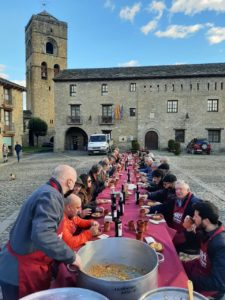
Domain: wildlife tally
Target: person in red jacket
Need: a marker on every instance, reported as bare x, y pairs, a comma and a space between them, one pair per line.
77, 231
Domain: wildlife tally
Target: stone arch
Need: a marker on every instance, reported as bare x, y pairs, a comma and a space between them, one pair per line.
76, 139
56, 69
44, 70
151, 140
51, 46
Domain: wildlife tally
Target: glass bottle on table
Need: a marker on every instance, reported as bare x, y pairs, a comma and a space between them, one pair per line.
137, 195
113, 211
113, 198
118, 228
123, 194
126, 163
128, 176
121, 206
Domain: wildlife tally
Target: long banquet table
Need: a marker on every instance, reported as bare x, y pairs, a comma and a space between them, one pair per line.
171, 271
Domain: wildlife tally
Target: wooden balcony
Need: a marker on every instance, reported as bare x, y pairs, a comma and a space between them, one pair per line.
106, 120
9, 129
77, 120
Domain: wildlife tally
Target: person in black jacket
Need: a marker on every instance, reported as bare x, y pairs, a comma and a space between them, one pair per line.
157, 181
164, 195
208, 271
98, 185
18, 149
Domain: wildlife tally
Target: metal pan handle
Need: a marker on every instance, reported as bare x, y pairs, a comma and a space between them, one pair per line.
161, 257
72, 268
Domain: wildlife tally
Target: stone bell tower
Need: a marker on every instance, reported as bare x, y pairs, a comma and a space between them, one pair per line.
46, 55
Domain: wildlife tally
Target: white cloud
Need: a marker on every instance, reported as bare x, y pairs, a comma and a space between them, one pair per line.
20, 82
131, 63
109, 4
2, 72
191, 7
215, 35
150, 26
179, 32
158, 7
128, 13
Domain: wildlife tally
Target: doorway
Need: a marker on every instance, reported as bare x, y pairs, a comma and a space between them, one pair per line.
76, 139
151, 140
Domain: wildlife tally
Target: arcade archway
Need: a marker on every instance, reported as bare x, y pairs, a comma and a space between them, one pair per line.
76, 139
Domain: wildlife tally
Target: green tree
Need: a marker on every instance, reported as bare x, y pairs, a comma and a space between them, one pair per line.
38, 127
171, 144
135, 146
177, 148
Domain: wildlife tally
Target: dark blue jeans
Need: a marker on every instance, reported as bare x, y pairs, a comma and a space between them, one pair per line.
9, 291
18, 156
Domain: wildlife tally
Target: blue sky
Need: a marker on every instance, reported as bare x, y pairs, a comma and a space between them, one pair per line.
112, 33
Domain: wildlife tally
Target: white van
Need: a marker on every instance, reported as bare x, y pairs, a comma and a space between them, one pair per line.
99, 143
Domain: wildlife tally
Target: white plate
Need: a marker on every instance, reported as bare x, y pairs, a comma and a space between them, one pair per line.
149, 239
157, 222
103, 236
131, 186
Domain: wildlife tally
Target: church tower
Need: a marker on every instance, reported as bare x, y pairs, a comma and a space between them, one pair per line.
46, 55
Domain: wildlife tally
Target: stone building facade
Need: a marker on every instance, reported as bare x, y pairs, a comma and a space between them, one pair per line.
11, 113
150, 104
46, 55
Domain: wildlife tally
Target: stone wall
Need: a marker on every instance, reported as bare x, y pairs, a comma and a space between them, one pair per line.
40, 92
16, 112
150, 100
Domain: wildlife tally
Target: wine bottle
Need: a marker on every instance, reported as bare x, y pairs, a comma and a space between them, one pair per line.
113, 211
113, 198
121, 206
137, 194
118, 227
128, 176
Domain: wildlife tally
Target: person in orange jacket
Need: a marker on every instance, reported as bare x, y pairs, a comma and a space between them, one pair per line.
77, 231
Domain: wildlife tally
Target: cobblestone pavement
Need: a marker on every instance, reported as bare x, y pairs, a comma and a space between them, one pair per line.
205, 175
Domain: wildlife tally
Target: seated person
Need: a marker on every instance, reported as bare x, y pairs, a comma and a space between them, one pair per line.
157, 181
168, 191
112, 165
164, 160
77, 231
208, 271
147, 169
176, 210
97, 184
165, 168
78, 186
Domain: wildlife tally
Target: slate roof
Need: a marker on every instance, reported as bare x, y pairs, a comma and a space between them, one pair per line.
149, 72
10, 84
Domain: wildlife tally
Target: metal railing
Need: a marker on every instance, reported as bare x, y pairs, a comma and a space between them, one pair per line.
77, 120
109, 120
8, 103
9, 128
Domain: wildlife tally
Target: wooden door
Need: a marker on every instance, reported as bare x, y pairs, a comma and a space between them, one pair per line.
151, 140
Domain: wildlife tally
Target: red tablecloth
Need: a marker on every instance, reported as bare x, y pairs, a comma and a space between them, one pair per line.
171, 271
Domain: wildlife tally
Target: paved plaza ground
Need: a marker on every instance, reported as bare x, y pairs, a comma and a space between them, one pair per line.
204, 173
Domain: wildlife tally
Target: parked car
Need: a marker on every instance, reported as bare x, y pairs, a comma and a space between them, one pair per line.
99, 143
199, 145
